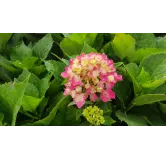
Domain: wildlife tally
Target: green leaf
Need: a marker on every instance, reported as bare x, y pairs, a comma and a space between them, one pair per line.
155, 65
118, 64
11, 96
42, 48
21, 52
98, 43
143, 77
87, 49
152, 62
31, 90
1, 119
131, 120
160, 90
150, 113
81, 38
37, 70
26, 63
47, 120
108, 49
4, 38
78, 113
123, 91
55, 67
144, 40
7, 64
30, 103
108, 121
70, 47
133, 71
141, 54
41, 84
161, 42
123, 45
67, 34
162, 107
148, 99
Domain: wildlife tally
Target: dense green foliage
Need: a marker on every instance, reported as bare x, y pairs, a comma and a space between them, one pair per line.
31, 86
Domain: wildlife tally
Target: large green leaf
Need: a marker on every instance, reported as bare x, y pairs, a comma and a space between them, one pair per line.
11, 96
131, 120
47, 120
70, 47
148, 99
42, 48
144, 40
41, 84
21, 52
152, 62
141, 54
123, 45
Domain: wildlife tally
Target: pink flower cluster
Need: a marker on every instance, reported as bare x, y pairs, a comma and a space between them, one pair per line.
90, 75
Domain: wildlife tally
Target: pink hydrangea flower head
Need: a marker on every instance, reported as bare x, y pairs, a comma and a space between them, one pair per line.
90, 76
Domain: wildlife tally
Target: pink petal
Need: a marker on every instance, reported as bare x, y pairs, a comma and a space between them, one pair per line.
64, 74
79, 100
93, 97
107, 95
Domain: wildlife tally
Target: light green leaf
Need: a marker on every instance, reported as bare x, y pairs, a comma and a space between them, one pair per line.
131, 120
143, 77
4, 38
81, 38
70, 47
26, 63
11, 96
42, 48
30, 103
118, 64
87, 49
123, 45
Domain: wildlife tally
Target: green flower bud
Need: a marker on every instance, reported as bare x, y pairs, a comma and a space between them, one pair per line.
94, 115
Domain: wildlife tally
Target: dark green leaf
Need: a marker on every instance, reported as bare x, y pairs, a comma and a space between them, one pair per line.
42, 48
